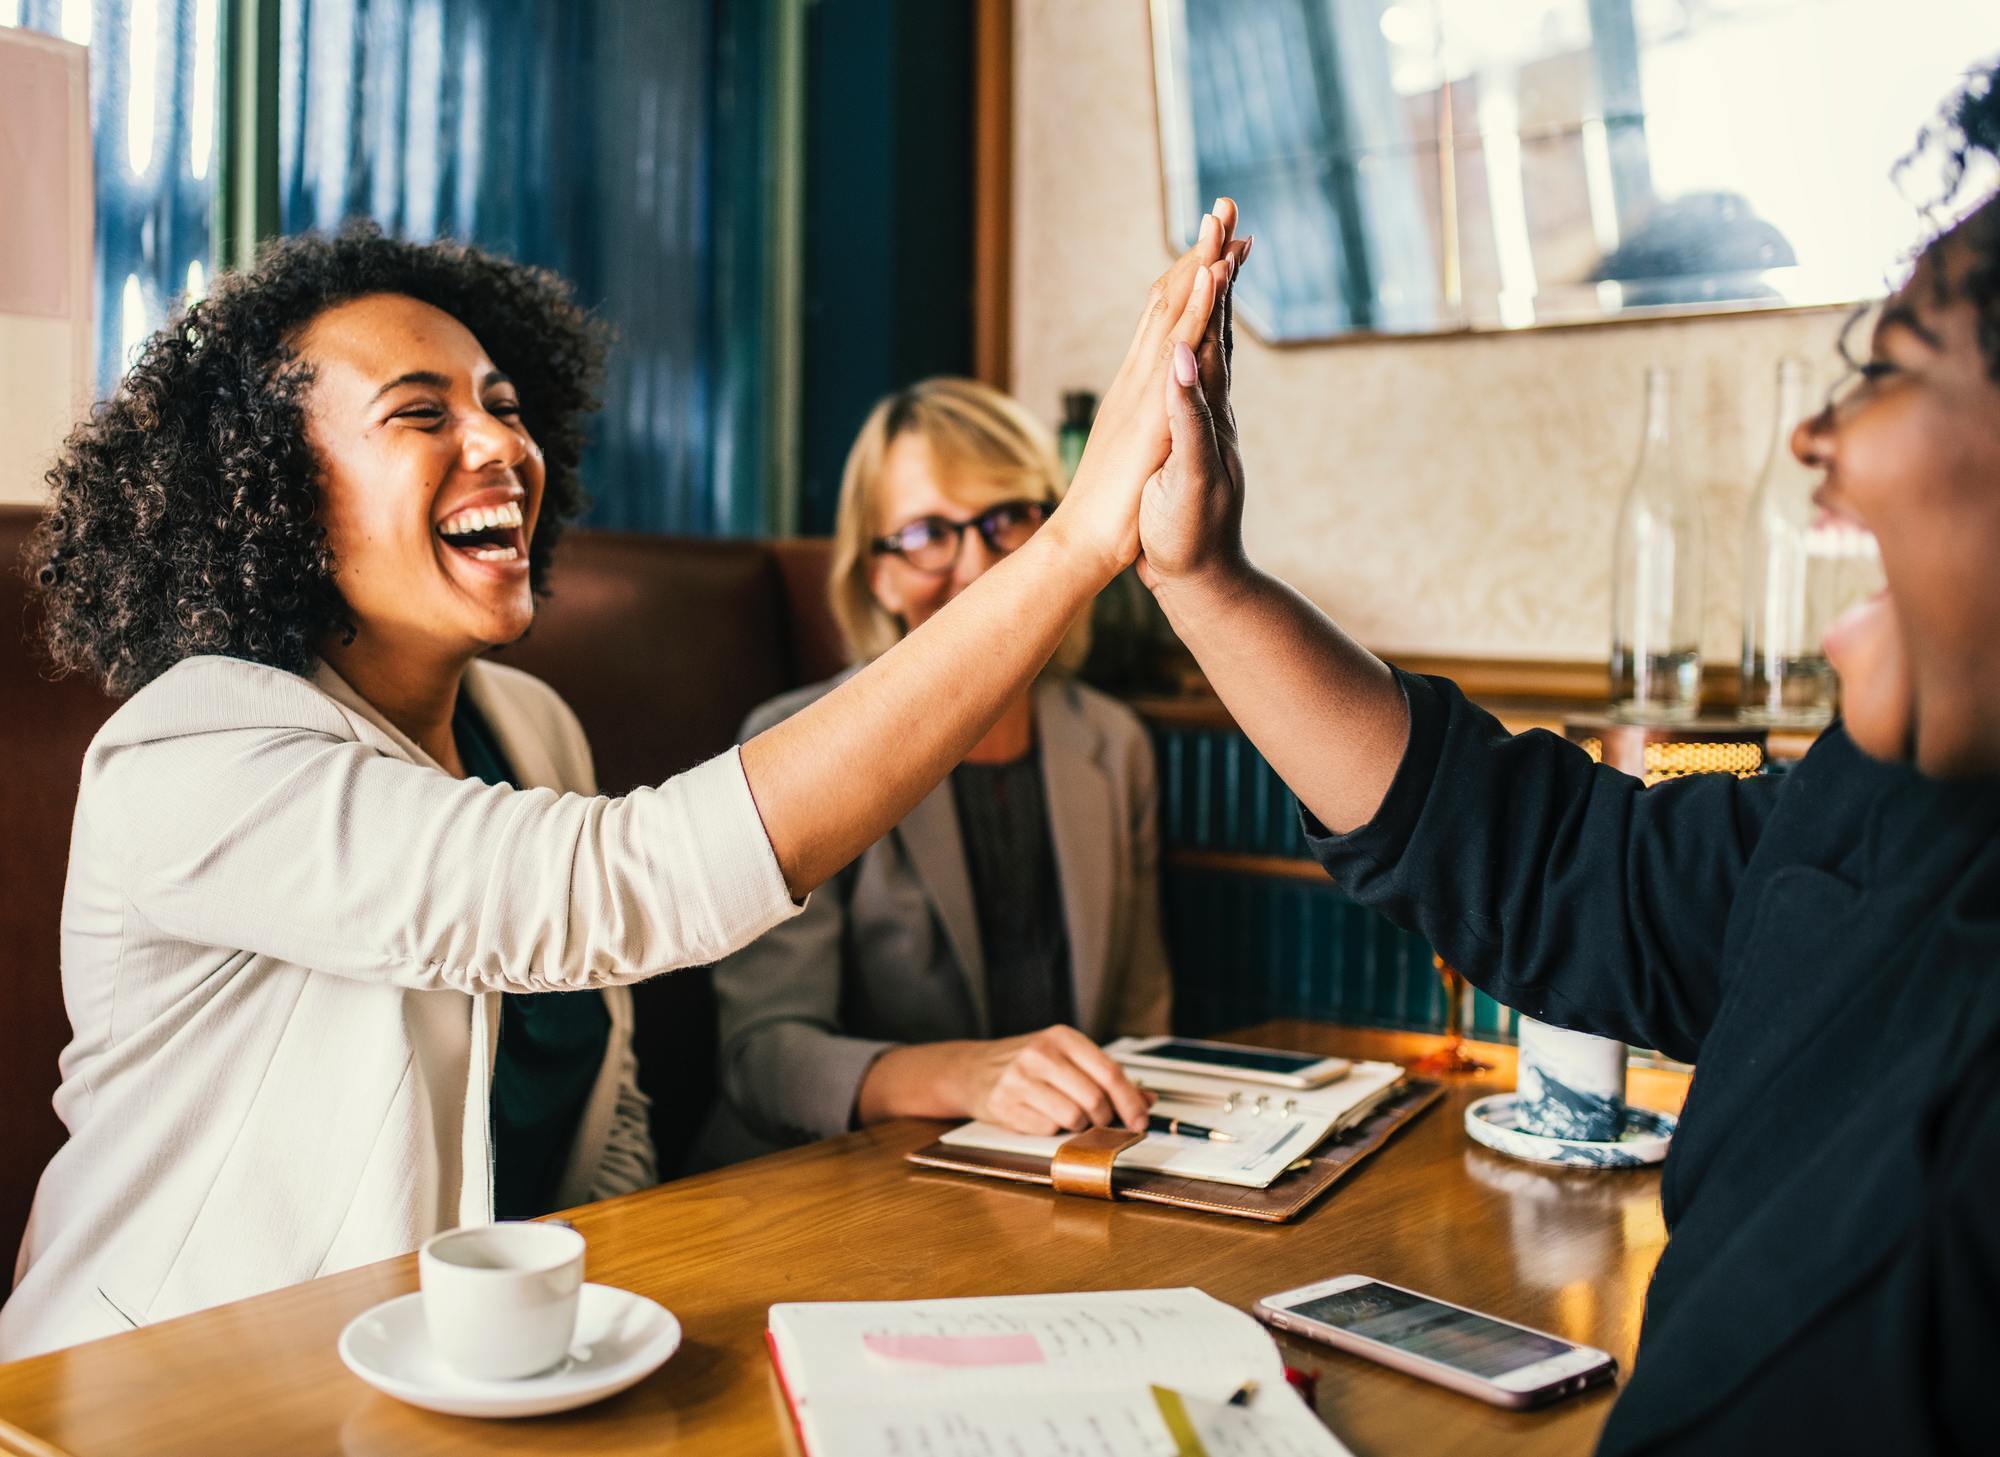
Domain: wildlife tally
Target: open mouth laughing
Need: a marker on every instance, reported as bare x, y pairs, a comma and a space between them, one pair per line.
488, 532
1869, 613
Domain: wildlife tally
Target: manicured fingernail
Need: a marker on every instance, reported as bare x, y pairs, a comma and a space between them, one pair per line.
1207, 222
1184, 369
1249, 242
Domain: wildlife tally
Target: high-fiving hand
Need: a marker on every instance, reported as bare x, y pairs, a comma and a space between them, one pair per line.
1284, 670
1191, 511
1130, 438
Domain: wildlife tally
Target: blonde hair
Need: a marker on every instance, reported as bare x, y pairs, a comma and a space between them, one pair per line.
989, 449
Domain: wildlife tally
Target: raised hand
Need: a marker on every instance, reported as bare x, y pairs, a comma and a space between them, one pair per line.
818, 813
1191, 512
1324, 711
1130, 438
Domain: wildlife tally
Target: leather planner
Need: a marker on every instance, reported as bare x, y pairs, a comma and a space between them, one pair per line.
1083, 1166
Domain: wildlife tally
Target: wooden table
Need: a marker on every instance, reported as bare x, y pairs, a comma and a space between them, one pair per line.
1569, 1251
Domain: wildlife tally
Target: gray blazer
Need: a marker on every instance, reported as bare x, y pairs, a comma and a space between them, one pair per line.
888, 951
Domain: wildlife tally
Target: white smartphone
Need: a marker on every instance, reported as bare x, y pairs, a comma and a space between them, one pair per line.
1252, 1064
1494, 1360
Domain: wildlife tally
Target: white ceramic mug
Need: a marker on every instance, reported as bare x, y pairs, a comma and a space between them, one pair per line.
500, 1299
1572, 1084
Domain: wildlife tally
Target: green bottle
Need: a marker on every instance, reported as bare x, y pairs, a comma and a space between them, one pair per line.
1079, 409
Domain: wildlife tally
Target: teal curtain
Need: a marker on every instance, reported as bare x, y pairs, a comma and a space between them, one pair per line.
153, 92
615, 141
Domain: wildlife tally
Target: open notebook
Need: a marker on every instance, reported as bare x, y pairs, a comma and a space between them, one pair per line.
1120, 1373
1272, 1127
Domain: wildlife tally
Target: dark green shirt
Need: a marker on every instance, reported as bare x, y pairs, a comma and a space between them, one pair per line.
551, 1046
1003, 820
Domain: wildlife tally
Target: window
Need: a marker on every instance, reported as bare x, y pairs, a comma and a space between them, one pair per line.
154, 85
1429, 165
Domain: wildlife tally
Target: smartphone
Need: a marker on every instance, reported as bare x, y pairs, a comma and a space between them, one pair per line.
1494, 1360
1252, 1064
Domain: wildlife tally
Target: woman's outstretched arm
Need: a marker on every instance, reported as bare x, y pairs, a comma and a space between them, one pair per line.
1557, 885
834, 778
1325, 711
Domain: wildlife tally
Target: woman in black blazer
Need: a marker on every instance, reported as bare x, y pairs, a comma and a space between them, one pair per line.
1825, 946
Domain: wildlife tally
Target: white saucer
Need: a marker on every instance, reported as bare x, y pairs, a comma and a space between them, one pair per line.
621, 1339
1496, 1123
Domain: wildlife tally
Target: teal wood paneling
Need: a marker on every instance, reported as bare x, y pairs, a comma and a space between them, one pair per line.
1218, 793
1248, 947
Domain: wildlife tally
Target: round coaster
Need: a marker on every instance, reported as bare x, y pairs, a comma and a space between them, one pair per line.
1495, 1122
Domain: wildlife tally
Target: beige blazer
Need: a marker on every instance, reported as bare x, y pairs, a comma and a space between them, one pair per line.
888, 952
283, 937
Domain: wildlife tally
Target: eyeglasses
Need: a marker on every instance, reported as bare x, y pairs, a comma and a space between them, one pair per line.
932, 543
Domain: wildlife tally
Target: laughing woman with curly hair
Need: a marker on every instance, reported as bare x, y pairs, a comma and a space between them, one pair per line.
347, 929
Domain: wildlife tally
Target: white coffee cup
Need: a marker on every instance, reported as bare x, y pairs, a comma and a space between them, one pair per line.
500, 1299
1572, 1085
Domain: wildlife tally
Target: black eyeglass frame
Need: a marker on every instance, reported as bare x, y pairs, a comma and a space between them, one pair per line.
987, 523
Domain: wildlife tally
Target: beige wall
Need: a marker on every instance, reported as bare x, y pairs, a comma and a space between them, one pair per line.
1452, 496
44, 255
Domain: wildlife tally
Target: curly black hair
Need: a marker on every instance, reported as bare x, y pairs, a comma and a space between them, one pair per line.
1966, 132
185, 511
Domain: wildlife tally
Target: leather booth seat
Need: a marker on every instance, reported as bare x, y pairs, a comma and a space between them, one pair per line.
661, 644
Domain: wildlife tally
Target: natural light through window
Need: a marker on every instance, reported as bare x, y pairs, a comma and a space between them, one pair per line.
142, 111
1499, 164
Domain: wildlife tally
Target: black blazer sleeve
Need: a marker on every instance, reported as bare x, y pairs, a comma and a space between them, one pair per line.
1903, 1361
1560, 887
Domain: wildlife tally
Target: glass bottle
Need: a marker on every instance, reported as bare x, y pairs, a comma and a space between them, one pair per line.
1656, 565
1079, 412
1799, 573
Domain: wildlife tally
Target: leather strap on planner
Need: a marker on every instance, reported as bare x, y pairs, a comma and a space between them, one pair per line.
1082, 1164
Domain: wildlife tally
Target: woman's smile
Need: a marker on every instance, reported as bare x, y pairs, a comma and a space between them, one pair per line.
1872, 615
419, 432
487, 530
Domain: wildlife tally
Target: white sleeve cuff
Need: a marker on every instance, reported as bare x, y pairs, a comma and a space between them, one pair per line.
740, 870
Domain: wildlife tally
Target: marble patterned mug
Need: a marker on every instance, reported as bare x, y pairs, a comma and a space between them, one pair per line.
1572, 1085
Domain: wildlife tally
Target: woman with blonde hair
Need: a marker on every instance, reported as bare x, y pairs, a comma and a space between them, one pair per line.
968, 963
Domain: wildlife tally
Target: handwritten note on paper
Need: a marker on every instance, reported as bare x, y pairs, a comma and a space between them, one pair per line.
1111, 1424
1180, 1338
1017, 1375
1016, 1349
1276, 1425
1074, 1426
